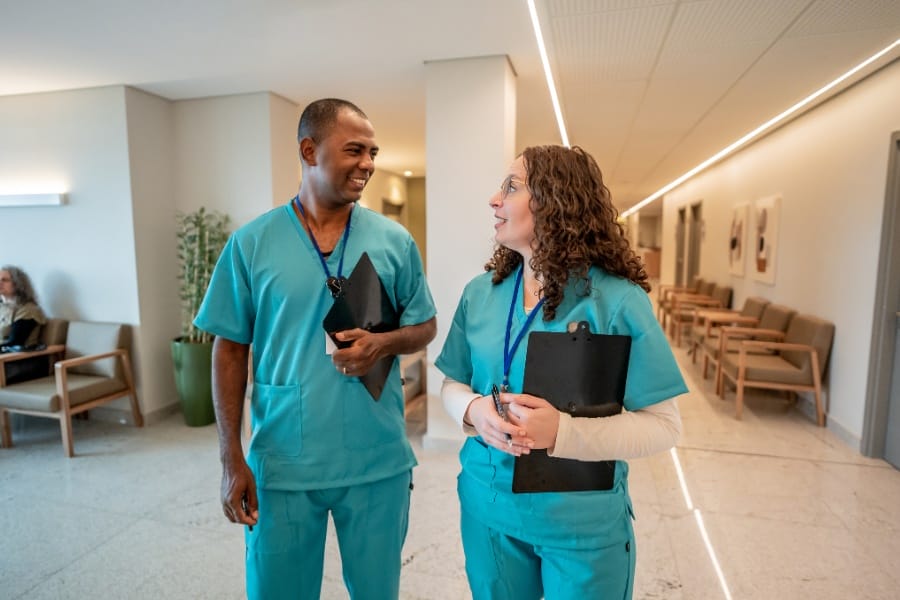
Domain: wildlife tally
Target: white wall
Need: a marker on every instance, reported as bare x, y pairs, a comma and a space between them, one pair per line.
284, 116
129, 160
80, 255
223, 155
830, 168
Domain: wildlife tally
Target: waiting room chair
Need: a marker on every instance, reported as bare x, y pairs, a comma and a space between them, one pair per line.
95, 370
664, 293
707, 323
772, 324
796, 364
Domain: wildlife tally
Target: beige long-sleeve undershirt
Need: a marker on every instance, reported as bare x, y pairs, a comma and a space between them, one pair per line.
643, 432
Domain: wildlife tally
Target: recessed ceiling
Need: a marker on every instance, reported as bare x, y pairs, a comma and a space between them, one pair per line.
650, 87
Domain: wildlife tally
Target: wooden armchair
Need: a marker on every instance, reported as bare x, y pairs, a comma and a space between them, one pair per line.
707, 323
795, 364
664, 292
703, 290
95, 370
772, 324
685, 307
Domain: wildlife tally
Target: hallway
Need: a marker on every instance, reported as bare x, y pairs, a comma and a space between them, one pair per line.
789, 512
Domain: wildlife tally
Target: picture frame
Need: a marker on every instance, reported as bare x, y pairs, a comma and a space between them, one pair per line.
737, 240
766, 221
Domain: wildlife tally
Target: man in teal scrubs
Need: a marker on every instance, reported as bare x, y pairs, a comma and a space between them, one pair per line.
321, 443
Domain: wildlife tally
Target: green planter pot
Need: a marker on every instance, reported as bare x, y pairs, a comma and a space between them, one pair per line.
193, 380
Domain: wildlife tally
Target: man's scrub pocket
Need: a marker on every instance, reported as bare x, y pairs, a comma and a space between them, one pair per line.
277, 420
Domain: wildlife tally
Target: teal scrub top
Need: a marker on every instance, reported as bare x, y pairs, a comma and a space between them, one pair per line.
313, 427
473, 354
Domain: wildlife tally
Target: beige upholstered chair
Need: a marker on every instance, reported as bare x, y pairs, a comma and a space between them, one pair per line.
772, 324
665, 292
95, 370
707, 323
795, 364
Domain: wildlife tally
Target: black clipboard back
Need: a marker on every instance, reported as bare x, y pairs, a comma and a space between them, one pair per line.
364, 303
583, 374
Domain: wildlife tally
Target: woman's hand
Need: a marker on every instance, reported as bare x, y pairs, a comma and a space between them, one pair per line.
536, 416
494, 430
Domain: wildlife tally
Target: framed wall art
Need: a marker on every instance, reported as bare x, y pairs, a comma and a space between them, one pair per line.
764, 255
737, 240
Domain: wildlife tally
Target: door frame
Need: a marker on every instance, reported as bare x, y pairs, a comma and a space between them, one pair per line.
887, 291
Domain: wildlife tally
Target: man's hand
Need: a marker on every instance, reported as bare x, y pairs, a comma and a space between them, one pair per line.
365, 349
239, 502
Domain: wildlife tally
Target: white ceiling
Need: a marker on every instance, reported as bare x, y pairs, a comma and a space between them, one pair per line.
650, 87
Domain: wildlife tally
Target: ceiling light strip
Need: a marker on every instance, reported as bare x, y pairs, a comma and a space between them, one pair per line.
759, 130
536, 25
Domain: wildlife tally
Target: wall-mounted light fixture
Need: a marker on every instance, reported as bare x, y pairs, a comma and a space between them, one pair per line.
32, 199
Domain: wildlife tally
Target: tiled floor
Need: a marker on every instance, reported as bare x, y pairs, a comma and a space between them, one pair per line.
789, 512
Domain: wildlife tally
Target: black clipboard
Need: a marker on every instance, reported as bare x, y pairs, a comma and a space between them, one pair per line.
364, 303
583, 374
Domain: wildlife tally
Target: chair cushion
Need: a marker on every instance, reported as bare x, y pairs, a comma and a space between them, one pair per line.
812, 331
766, 367
712, 347
776, 316
86, 338
54, 332
40, 394
754, 306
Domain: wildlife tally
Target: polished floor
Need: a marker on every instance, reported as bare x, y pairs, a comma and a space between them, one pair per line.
770, 507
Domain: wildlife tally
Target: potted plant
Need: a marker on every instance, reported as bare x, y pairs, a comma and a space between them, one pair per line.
201, 237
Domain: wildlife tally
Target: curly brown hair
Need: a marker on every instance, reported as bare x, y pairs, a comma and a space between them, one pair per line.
575, 226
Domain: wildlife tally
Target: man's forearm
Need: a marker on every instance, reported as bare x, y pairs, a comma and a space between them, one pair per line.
410, 338
229, 383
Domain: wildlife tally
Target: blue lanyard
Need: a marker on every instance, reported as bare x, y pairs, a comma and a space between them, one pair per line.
334, 284
507, 352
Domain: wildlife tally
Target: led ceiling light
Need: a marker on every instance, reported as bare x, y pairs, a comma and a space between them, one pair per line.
536, 25
759, 130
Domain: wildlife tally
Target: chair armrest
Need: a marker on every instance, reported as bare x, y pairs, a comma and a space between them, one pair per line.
14, 356
752, 332
769, 345
80, 360
735, 318
10, 357
693, 302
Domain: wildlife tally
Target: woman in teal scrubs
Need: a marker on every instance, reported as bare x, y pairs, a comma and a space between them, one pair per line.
560, 257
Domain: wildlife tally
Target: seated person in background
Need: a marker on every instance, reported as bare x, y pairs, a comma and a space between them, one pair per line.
21, 323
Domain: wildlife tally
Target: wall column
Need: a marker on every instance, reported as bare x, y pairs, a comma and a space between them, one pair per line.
470, 142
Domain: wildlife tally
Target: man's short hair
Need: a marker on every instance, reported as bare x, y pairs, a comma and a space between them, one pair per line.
320, 115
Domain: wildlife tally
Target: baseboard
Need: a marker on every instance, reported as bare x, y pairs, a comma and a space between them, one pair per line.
806, 404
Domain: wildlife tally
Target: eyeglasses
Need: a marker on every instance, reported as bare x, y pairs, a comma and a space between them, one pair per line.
509, 186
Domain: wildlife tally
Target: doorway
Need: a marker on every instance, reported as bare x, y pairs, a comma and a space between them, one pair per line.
695, 235
679, 247
881, 429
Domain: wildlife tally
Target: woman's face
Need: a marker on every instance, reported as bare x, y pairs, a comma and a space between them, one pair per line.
514, 227
7, 289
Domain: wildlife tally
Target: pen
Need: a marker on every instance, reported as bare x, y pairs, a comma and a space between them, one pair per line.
244, 507
495, 393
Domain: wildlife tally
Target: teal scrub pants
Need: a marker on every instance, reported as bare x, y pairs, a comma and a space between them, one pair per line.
286, 549
500, 567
